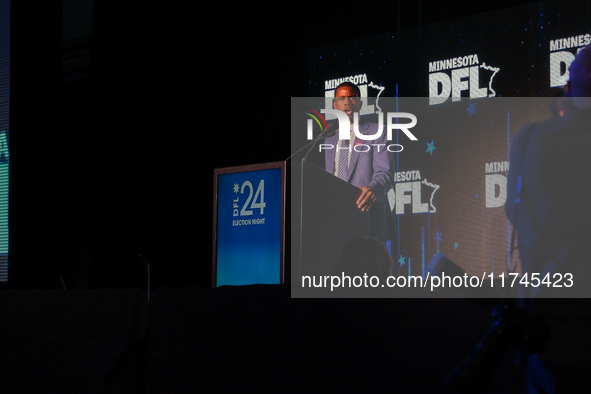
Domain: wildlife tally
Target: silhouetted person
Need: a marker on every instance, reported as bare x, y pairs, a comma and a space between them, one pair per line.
548, 189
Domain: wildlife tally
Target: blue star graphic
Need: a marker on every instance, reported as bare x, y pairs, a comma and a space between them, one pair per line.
471, 109
456, 245
430, 147
438, 237
401, 260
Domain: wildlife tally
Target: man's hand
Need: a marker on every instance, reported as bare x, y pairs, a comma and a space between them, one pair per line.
366, 198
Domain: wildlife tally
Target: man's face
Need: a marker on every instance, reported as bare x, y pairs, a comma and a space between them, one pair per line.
346, 100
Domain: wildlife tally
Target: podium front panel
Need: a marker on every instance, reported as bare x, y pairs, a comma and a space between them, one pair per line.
324, 218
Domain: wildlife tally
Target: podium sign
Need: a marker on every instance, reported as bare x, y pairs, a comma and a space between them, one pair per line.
249, 226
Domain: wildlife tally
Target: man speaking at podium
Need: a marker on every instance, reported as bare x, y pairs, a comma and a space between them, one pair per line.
369, 170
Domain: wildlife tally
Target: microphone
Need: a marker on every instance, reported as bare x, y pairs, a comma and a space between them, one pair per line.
329, 131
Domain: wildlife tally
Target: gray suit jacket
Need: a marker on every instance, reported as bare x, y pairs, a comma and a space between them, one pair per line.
371, 165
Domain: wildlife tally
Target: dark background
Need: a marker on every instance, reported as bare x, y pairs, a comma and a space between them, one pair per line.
121, 110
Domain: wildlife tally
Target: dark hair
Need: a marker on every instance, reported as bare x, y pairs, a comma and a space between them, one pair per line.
349, 84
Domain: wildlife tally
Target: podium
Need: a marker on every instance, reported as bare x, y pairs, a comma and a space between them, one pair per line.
324, 216
257, 240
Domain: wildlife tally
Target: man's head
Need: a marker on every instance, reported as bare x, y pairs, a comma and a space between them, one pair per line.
347, 98
579, 84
